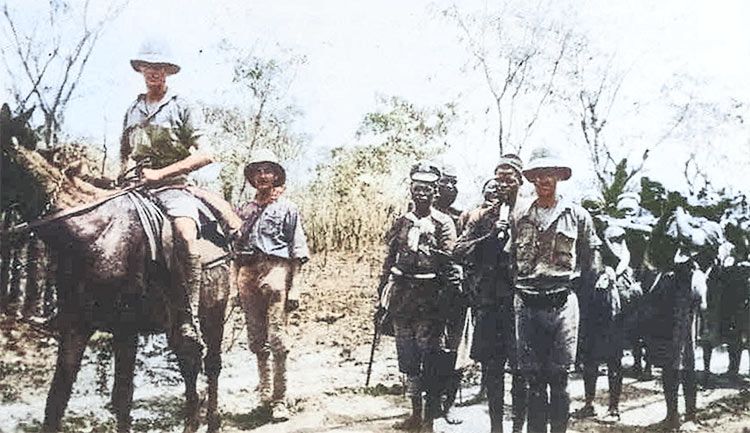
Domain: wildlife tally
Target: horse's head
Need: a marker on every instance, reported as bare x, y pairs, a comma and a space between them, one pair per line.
16, 128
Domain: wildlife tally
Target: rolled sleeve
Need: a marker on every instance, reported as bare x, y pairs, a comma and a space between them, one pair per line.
298, 241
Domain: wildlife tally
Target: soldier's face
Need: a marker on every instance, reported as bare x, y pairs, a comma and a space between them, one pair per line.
154, 75
545, 184
264, 176
422, 193
447, 190
508, 182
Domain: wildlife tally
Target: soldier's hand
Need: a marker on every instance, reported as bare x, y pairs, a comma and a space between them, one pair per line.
605, 279
150, 176
291, 305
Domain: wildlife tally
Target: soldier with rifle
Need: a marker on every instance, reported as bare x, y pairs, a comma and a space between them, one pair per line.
486, 247
416, 272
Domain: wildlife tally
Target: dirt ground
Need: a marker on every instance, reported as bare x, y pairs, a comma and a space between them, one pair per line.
331, 334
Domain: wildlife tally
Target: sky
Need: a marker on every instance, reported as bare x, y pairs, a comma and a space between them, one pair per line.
357, 51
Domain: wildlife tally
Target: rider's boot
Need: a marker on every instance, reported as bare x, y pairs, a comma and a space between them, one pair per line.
187, 301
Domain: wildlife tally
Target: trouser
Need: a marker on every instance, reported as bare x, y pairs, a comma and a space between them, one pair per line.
671, 379
547, 331
494, 375
614, 377
416, 340
263, 282
493, 345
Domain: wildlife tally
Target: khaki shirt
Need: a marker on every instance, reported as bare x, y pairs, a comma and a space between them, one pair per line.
552, 252
167, 131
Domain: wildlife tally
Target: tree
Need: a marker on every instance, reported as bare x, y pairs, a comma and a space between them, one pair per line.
519, 50
597, 96
264, 117
357, 193
45, 58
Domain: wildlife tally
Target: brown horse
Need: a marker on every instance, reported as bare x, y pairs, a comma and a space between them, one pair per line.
107, 281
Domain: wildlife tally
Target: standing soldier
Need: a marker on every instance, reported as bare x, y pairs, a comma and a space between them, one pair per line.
456, 326
602, 323
674, 302
557, 244
272, 248
486, 246
417, 269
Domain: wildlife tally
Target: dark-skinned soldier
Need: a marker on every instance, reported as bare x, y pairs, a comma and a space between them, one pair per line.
486, 246
416, 270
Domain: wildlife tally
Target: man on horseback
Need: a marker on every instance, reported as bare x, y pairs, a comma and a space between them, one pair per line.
162, 139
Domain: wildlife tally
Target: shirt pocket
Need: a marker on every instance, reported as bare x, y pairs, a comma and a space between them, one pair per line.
527, 248
272, 224
563, 253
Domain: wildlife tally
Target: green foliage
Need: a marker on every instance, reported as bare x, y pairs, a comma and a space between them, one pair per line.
612, 192
264, 119
356, 195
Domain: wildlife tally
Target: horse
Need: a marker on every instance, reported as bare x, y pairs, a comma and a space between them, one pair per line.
107, 281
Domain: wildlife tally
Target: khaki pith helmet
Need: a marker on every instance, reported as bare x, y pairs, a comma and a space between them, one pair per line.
265, 155
545, 160
155, 52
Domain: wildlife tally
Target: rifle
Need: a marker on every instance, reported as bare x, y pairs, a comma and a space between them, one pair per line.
380, 317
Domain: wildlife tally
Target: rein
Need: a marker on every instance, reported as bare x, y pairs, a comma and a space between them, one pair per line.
67, 213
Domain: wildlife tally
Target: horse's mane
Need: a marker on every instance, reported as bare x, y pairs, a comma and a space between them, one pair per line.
64, 190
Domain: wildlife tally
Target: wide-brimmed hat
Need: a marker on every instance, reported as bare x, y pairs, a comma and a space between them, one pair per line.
546, 160
265, 155
155, 52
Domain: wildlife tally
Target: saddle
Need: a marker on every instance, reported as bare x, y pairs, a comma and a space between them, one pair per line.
213, 245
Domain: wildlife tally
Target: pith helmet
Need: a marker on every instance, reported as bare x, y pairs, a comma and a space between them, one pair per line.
424, 171
629, 201
265, 155
155, 52
545, 160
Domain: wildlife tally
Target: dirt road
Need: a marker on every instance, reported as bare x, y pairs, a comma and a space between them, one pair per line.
331, 334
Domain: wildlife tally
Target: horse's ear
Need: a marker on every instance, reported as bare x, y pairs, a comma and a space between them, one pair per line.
5, 113
26, 115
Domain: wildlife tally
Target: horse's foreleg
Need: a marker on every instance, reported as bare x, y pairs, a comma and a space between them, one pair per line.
125, 347
189, 360
70, 350
212, 311
212, 328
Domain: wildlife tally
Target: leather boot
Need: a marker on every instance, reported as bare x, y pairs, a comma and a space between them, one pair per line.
414, 421
495, 393
264, 378
431, 411
670, 384
690, 388
279, 376
735, 355
538, 405
614, 376
559, 402
520, 394
185, 301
